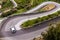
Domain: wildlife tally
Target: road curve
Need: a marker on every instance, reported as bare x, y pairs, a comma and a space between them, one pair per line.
40, 6
27, 34
15, 4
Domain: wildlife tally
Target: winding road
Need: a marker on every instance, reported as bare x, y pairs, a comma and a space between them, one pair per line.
27, 34
15, 4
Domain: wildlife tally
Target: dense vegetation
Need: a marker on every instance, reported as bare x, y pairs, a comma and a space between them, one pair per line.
6, 4
30, 23
52, 33
28, 4
31, 3
58, 1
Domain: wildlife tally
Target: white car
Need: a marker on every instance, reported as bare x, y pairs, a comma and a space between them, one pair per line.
13, 30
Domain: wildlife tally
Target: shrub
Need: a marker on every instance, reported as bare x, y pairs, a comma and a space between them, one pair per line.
53, 33
8, 13
6, 4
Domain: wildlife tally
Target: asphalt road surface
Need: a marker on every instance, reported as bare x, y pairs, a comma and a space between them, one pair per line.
26, 34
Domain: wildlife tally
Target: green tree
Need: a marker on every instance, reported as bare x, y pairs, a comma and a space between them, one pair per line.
53, 33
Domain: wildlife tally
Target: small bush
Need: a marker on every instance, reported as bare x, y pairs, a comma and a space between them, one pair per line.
8, 13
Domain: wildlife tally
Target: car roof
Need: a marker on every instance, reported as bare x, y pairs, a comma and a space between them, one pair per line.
12, 28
